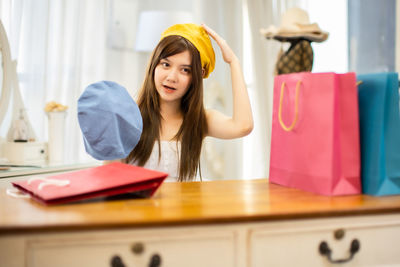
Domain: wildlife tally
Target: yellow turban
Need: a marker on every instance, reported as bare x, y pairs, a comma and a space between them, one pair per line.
200, 39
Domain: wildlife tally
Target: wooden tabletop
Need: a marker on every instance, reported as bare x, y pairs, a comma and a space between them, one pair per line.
188, 203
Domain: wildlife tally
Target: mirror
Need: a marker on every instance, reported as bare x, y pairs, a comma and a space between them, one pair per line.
5, 57
12, 152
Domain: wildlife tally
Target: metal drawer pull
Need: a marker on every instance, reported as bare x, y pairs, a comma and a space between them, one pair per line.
324, 250
116, 261
155, 261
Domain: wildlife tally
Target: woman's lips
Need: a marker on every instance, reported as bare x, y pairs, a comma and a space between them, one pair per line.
168, 89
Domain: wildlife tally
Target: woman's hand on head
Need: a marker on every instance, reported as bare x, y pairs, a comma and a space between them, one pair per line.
227, 53
241, 122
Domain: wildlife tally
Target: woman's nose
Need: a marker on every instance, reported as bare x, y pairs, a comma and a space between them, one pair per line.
172, 75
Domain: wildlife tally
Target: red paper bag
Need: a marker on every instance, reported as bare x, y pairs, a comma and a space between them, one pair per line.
315, 133
103, 181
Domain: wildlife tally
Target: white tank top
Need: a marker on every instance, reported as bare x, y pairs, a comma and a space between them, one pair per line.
169, 161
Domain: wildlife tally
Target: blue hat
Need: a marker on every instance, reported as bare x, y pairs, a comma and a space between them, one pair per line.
110, 121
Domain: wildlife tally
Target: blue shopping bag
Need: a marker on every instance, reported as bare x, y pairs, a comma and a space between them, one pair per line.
379, 133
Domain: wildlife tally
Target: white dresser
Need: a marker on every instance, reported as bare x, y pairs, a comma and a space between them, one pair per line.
217, 223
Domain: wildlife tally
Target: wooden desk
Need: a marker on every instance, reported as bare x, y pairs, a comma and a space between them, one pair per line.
217, 223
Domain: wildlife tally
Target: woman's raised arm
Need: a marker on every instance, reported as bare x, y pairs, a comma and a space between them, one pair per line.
241, 122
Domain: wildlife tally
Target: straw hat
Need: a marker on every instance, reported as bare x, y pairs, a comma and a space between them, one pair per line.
295, 23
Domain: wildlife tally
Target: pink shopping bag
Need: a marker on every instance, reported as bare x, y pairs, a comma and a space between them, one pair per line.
315, 133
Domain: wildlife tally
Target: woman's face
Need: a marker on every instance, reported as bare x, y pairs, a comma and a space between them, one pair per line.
173, 76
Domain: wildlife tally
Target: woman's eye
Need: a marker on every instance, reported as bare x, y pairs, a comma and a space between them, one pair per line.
186, 70
165, 64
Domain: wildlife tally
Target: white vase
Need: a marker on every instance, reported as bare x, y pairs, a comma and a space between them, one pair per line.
56, 136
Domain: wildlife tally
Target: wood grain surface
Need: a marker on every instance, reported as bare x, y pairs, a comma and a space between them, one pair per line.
188, 203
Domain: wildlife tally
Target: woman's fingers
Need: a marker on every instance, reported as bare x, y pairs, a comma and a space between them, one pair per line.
209, 31
227, 52
213, 34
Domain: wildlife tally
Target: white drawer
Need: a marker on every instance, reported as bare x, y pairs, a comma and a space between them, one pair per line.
297, 244
175, 249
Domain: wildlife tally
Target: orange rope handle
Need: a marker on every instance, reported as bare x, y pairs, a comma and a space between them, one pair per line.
296, 114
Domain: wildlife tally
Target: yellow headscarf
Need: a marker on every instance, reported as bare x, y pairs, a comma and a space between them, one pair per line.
200, 39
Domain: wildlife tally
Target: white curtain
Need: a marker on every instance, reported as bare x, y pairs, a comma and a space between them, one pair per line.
60, 47
222, 159
261, 14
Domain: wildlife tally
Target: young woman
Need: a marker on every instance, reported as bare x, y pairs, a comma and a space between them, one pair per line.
175, 122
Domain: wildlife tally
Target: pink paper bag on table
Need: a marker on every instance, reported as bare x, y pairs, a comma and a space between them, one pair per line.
315, 133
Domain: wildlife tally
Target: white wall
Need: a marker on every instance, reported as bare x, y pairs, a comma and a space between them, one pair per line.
331, 16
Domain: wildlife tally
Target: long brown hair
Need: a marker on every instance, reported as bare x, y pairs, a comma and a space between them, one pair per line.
194, 124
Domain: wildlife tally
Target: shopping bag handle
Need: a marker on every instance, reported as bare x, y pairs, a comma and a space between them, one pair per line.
296, 114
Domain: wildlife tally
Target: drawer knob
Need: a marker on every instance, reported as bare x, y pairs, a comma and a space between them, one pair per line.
339, 234
324, 250
137, 248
